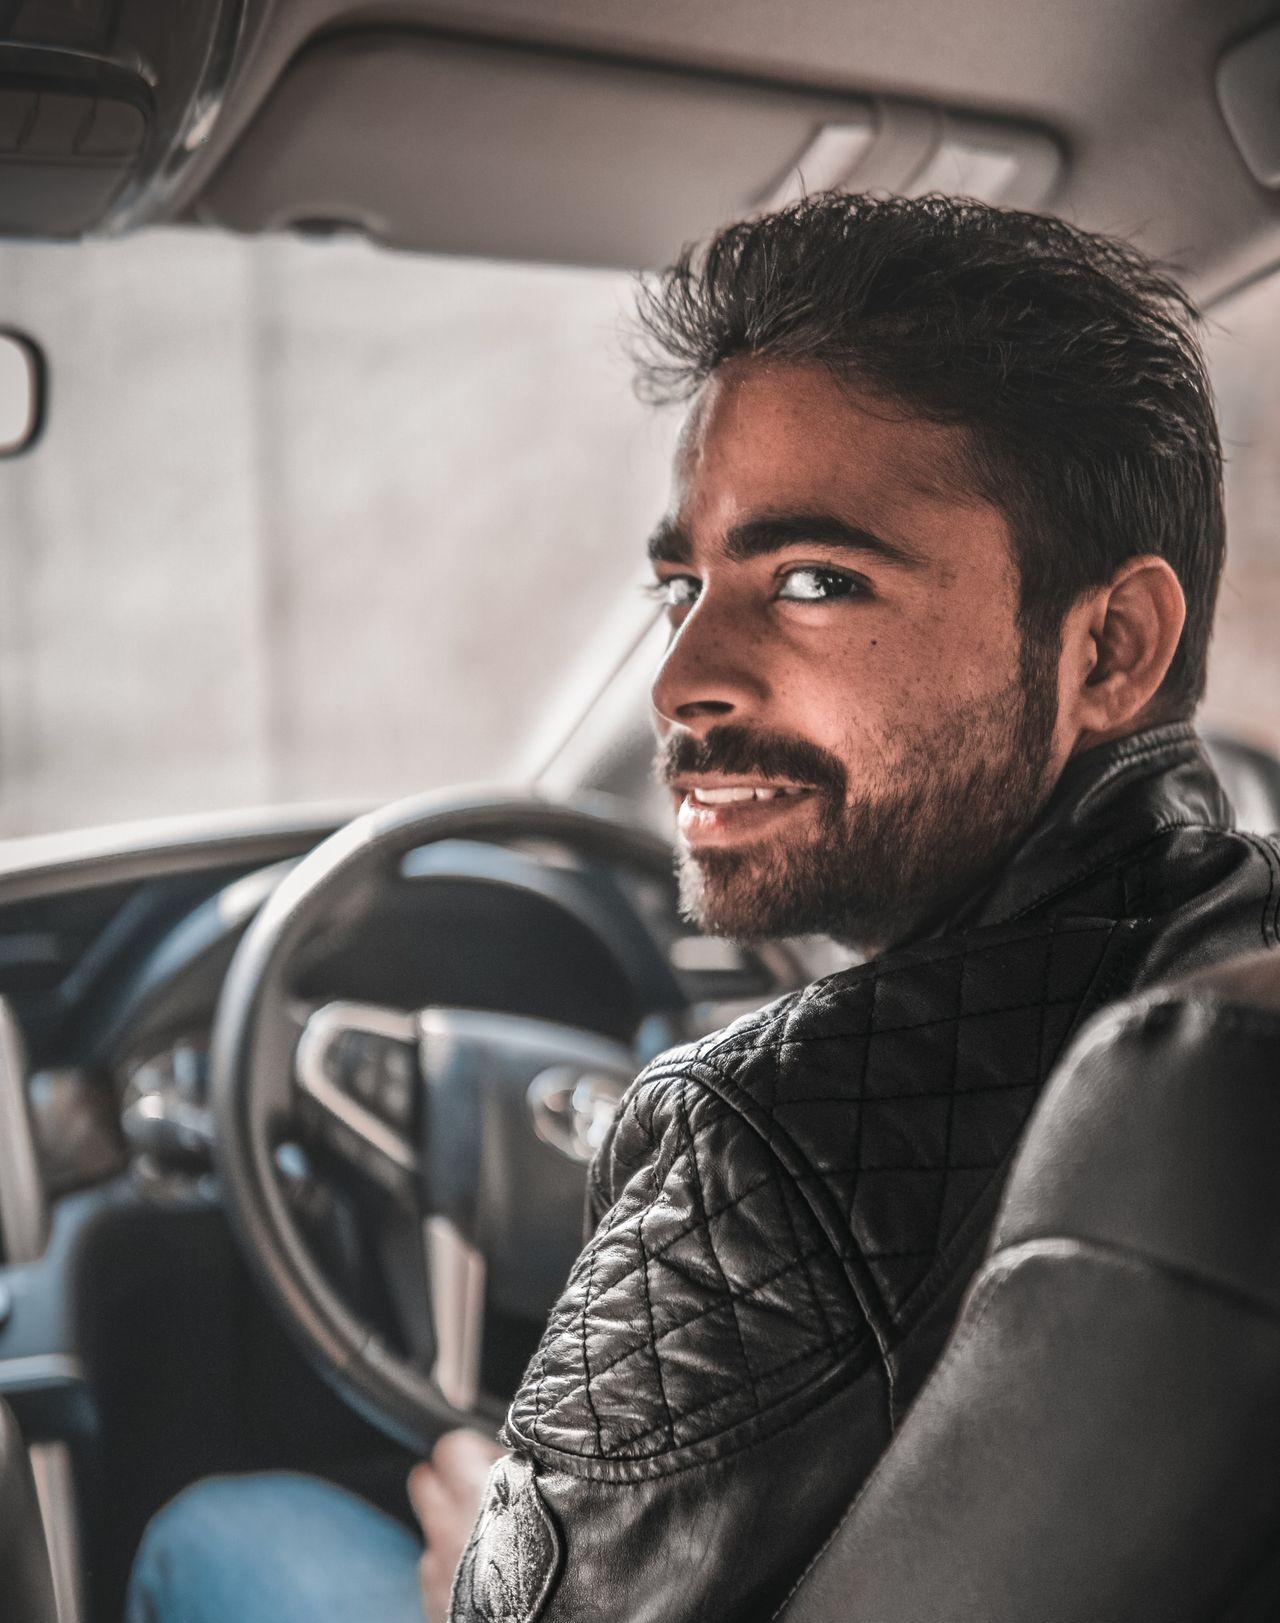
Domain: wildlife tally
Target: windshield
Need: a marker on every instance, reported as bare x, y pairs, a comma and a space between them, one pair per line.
310, 521
317, 522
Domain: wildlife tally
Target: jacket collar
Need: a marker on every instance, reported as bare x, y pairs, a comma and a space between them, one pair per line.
1108, 801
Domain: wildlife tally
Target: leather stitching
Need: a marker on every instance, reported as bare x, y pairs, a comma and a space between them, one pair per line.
815, 1300
699, 1196
951, 1110
834, 992
586, 1363
781, 1040
786, 1365
791, 1265
652, 1342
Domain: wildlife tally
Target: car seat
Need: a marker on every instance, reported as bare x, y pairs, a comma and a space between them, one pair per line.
1100, 1441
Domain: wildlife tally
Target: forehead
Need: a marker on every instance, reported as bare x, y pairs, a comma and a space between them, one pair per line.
775, 437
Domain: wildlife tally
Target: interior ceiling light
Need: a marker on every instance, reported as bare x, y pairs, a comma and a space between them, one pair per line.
827, 162
968, 171
928, 151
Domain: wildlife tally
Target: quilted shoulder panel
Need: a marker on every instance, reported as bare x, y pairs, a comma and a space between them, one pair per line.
903, 1086
707, 1297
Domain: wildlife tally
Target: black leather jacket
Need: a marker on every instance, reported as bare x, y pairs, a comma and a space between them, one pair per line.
787, 1214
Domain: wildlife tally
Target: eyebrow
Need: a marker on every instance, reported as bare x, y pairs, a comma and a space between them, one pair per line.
772, 532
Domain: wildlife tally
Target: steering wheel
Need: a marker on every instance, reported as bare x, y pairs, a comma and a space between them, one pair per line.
476, 1126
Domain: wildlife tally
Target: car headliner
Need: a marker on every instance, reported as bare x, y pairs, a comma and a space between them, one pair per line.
1126, 86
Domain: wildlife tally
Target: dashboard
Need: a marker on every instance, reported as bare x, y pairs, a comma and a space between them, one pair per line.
111, 967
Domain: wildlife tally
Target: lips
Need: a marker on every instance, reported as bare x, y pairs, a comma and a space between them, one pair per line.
718, 813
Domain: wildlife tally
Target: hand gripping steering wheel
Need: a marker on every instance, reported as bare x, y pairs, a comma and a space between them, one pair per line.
474, 1124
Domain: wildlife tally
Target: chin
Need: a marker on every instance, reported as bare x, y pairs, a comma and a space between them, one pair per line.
743, 896
755, 896
721, 904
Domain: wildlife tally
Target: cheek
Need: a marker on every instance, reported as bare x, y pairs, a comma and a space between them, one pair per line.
843, 690
858, 689
952, 653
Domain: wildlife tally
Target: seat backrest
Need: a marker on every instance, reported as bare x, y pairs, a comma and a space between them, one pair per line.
26, 1582
1101, 1438
1251, 777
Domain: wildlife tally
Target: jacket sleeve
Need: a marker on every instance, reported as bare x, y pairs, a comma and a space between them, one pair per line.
706, 1396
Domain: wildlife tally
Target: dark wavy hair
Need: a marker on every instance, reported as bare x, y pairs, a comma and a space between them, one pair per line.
1070, 359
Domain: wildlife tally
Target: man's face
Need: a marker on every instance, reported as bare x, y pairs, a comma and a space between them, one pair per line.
846, 719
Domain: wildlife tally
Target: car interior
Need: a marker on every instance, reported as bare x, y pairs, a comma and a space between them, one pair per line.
300, 1072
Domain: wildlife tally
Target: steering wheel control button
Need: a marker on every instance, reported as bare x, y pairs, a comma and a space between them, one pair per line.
380, 1072
397, 1086
358, 1056
358, 1063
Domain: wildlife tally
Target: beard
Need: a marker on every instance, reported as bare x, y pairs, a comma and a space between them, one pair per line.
888, 860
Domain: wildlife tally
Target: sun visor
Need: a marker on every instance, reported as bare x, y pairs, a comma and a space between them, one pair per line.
464, 147
102, 107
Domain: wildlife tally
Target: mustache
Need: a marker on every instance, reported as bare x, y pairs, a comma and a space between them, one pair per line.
731, 749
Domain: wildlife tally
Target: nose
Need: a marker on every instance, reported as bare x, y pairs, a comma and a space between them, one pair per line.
712, 671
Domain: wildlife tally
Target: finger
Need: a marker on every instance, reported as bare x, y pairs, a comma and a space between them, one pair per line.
465, 1457
455, 1450
434, 1570
426, 1492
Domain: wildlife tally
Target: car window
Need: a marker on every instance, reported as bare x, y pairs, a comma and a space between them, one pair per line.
310, 521
1243, 342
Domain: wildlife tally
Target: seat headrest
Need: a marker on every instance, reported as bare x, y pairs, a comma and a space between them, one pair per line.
1252, 981
1160, 1133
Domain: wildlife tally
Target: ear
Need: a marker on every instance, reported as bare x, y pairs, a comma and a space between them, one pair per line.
1117, 645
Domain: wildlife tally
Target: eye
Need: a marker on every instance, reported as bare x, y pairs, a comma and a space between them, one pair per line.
676, 591
812, 583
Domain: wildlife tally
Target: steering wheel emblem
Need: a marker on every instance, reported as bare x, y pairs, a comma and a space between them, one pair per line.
572, 1109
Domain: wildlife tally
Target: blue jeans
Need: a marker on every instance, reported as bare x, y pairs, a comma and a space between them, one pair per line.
274, 1548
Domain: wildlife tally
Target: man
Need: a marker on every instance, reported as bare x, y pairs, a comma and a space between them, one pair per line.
940, 566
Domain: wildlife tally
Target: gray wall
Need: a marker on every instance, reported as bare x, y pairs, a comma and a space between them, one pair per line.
309, 521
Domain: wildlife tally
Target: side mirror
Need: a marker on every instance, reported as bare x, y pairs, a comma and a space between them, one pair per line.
22, 392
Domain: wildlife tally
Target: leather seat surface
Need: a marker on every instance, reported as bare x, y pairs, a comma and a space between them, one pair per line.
1101, 1439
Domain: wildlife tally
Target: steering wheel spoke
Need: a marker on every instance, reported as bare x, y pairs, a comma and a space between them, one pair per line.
357, 1067
456, 1275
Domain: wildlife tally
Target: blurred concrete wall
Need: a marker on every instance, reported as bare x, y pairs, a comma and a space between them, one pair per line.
310, 521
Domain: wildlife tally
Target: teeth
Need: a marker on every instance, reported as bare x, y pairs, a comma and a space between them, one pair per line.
722, 797
729, 797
